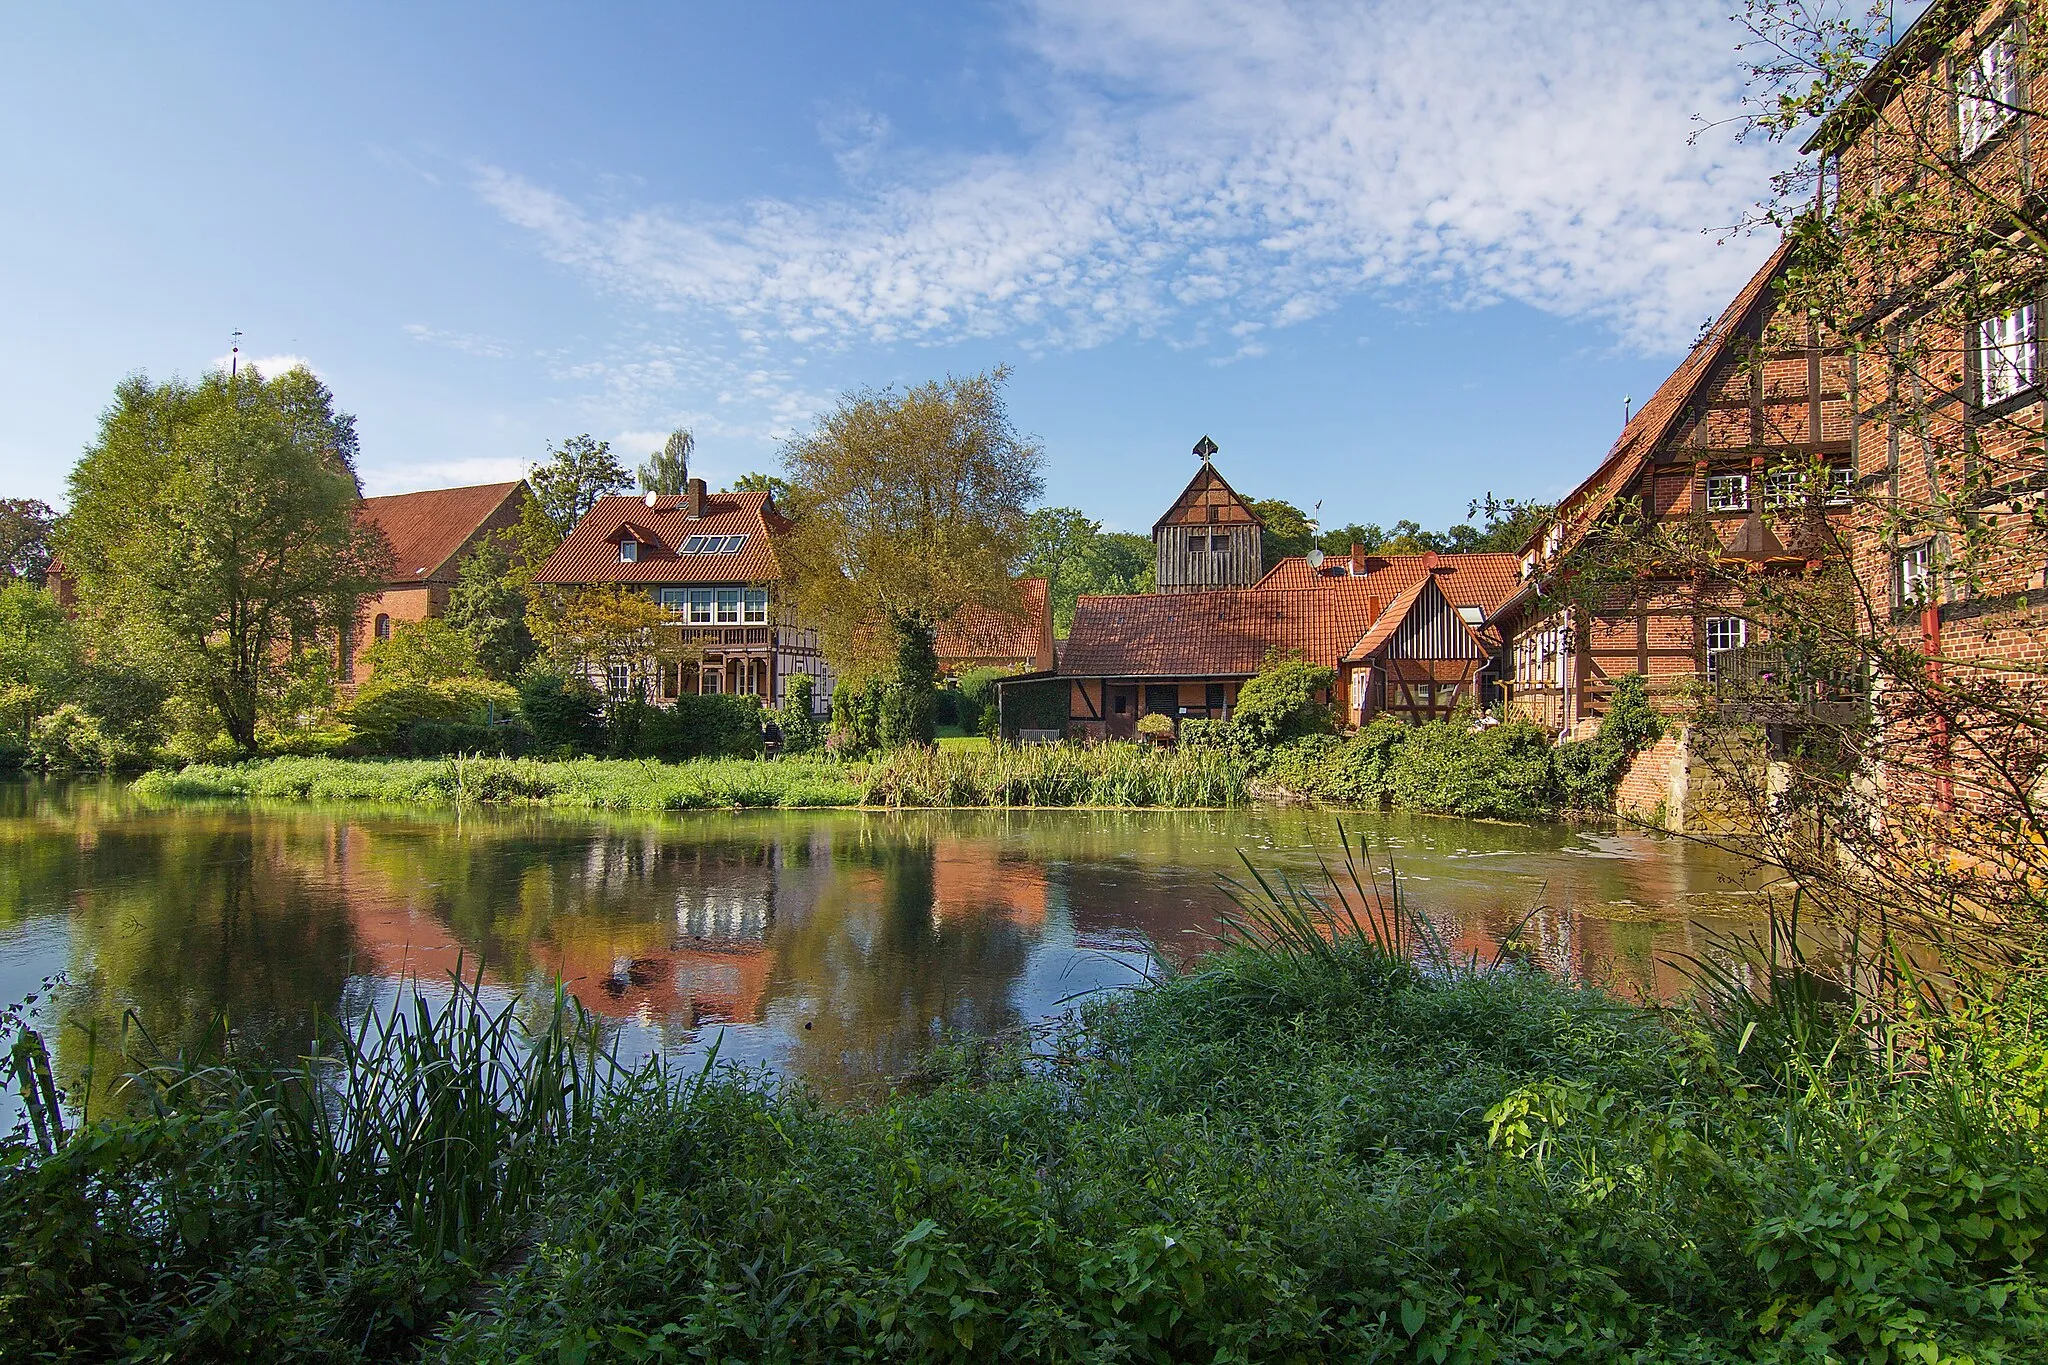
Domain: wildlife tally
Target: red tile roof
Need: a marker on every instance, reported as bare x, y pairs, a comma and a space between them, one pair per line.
1215, 634
591, 552
427, 530
978, 633
1457, 640
1473, 580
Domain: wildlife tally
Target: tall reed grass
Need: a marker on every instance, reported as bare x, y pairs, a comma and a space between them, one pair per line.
1005, 775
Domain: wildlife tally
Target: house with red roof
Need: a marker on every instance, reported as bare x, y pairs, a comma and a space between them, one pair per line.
711, 560
430, 534
1016, 641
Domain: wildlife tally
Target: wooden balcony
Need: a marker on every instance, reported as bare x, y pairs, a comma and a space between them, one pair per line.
1787, 685
730, 637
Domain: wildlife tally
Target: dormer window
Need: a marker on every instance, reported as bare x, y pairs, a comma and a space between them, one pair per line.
629, 551
1987, 92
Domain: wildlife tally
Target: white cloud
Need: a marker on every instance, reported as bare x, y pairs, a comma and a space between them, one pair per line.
459, 473
469, 343
270, 366
1216, 162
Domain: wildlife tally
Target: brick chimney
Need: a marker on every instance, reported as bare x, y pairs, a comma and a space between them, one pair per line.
693, 500
1357, 560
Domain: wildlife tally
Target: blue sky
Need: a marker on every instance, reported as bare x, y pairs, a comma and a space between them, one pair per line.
1390, 256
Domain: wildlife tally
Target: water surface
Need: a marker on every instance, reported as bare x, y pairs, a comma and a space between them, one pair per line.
834, 946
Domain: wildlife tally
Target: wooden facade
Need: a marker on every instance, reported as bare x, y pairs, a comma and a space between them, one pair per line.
1210, 538
1418, 663
1728, 443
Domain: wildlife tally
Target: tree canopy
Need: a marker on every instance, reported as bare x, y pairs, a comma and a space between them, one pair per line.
213, 533
667, 470
908, 506
26, 526
1076, 557
574, 476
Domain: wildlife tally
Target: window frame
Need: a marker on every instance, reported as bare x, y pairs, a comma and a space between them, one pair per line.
1739, 481
2008, 348
629, 551
728, 597
703, 607
1841, 485
1988, 91
618, 679
733, 545
1783, 487
1914, 574
754, 607
674, 601
693, 545
1714, 651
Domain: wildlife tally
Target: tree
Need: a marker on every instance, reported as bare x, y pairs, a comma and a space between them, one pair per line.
26, 526
213, 533
776, 489
575, 475
667, 471
488, 604
430, 651
597, 631
907, 508
38, 657
1287, 529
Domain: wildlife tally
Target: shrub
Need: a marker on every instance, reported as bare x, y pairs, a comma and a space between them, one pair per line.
910, 698
1502, 772
562, 711
1156, 725
1280, 703
857, 714
69, 739
453, 715
695, 726
798, 719
1589, 771
429, 651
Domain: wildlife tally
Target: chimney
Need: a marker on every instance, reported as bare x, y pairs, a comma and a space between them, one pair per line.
693, 501
1357, 560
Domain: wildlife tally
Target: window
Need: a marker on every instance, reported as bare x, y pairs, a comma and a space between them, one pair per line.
1987, 92
693, 545
733, 544
1123, 705
1472, 616
1916, 574
1841, 484
383, 627
700, 606
1727, 492
617, 678
757, 606
629, 551
1782, 486
1198, 545
675, 601
2005, 355
1165, 700
710, 682
1723, 634
1212, 696
1219, 544
728, 606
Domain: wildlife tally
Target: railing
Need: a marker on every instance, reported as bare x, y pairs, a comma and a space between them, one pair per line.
727, 636
1786, 683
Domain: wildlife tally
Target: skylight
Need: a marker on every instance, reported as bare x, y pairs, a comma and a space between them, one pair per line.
693, 545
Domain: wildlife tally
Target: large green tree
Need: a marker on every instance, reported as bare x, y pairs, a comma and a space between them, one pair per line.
213, 533
489, 602
1076, 557
572, 478
667, 471
908, 507
26, 526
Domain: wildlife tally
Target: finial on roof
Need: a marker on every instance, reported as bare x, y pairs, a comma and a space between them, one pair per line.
1205, 448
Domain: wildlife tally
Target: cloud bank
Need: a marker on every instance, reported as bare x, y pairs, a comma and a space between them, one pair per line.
1208, 170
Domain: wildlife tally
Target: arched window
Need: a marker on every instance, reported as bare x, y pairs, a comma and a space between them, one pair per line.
383, 626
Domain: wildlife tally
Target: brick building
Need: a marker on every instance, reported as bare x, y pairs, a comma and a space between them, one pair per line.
430, 533
710, 560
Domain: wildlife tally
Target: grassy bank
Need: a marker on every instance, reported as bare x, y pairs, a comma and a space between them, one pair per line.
998, 776
1307, 1148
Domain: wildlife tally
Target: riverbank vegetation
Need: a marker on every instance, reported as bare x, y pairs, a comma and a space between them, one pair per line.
1308, 1146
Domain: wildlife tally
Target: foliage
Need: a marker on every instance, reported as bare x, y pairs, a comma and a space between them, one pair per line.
798, 716
451, 715
857, 715
1446, 766
430, 651
213, 528
592, 631
574, 476
1155, 725
1589, 770
1009, 775
695, 726
667, 471
1280, 702
1288, 531
70, 739
27, 526
39, 658
489, 601
1076, 557
1040, 705
776, 489
562, 711
1507, 525
909, 702
907, 508
977, 703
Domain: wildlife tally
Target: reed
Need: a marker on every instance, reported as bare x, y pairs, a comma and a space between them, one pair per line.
1013, 776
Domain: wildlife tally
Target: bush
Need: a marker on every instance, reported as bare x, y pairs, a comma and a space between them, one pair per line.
563, 712
1280, 703
1007, 775
1447, 767
429, 651
696, 726
1155, 726
798, 719
1590, 770
454, 715
857, 714
69, 739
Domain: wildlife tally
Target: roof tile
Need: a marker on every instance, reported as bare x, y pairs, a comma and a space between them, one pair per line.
590, 554
427, 529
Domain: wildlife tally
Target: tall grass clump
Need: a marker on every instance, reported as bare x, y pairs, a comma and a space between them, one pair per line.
334, 1207
1006, 775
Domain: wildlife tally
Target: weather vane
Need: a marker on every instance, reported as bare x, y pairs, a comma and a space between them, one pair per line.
235, 353
1205, 448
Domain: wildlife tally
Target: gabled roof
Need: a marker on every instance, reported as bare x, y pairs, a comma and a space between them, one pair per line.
1208, 500
1482, 580
1421, 624
979, 633
427, 530
590, 554
1661, 416
1225, 633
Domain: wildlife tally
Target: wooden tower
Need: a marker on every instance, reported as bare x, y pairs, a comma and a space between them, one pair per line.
1210, 537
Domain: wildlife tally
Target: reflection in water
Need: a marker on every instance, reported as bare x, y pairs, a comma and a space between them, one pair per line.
831, 945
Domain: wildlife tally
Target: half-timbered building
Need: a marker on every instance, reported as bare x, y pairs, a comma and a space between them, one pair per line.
1210, 538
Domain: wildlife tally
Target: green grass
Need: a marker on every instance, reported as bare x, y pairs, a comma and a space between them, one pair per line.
1306, 1148
966, 773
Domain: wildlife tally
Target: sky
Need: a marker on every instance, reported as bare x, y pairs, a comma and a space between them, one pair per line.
1389, 256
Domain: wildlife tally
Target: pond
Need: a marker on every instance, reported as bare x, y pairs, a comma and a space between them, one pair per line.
835, 946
